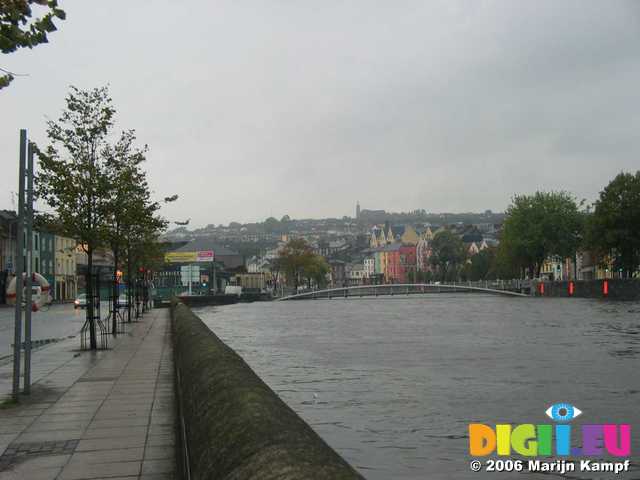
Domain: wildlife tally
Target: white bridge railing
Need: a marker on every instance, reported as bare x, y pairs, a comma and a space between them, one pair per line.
514, 288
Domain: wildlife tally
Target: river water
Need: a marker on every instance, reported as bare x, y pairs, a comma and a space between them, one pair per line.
392, 383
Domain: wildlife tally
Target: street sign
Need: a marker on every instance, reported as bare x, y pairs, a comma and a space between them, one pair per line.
189, 274
205, 256
189, 257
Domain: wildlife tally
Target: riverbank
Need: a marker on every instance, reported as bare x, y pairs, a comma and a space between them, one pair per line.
391, 383
234, 425
613, 289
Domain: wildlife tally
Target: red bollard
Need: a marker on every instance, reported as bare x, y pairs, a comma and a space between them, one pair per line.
571, 289
541, 288
605, 288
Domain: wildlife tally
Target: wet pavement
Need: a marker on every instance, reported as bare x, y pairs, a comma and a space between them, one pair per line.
93, 415
57, 323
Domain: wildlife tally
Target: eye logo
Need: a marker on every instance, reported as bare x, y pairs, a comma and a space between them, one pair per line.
546, 440
563, 412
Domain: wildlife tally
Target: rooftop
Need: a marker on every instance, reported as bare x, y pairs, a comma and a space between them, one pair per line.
204, 244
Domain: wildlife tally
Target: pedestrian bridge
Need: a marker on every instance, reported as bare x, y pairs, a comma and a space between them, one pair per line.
499, 288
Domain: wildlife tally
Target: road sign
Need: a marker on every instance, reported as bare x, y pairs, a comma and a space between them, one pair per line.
190, 257
189, 274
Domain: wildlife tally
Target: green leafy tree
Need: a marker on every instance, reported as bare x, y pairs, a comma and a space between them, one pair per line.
614, 226
285, 224
315, 270
298, 262
538, 226
293, 258
128, 188
19, 28
447, 254
141, 231
412, 276
73, 179
271, 225
483, 265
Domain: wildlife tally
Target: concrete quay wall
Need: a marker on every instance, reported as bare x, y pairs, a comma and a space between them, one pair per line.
235, 426
617, 289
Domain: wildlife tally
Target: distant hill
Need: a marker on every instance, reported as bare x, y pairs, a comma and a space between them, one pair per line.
270, 230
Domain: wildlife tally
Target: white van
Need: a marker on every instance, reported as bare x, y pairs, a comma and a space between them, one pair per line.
233, 290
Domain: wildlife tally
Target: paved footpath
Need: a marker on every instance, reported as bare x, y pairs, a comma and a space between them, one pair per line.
95, 415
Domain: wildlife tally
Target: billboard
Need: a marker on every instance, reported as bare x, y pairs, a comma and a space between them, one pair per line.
189, 257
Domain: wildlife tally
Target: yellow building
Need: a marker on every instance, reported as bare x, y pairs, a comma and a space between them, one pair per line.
409, 236
65, 271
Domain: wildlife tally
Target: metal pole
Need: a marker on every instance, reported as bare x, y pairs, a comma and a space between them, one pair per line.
17, 338
30, 270
215, 281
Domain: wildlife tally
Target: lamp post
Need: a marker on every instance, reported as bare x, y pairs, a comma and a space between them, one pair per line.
17, 332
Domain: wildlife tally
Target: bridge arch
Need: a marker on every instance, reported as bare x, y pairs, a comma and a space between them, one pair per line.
399, 289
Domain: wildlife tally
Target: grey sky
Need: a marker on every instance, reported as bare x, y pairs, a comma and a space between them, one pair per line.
261, 108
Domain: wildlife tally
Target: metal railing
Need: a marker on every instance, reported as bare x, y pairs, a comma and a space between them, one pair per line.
512, 288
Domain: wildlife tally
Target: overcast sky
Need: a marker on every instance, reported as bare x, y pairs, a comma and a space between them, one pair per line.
260, 108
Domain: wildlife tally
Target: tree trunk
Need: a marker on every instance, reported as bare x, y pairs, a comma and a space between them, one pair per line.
114, 319
93, 343
129, 284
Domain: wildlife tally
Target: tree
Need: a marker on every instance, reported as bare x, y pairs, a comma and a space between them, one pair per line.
128, 191
298, 262
447, 253
141, 232
538, 226
285, 223
315, 270
98, 190
19, 30
271, 225
614, 227
293, 258
73, 178
483, 265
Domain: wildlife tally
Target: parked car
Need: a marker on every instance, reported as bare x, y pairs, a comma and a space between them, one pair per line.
123, 300
81, 301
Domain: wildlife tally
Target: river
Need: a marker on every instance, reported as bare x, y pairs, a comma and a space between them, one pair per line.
392, 383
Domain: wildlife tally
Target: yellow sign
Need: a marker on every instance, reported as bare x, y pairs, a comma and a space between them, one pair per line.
189, 257
180, 257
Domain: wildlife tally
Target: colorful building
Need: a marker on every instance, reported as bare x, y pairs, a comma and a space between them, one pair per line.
407, 263
391, 262
423, 251
66, 284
